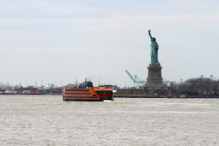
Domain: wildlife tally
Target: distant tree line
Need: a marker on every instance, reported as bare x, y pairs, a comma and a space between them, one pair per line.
195, 86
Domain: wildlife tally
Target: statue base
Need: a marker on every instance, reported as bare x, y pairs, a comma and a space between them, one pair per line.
155, 80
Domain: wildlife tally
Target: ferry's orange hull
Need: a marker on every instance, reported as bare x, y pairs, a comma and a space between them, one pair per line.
85, 94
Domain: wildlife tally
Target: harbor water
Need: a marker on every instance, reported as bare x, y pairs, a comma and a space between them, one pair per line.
47, 120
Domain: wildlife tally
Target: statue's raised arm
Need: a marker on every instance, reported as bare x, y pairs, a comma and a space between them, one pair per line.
149, 31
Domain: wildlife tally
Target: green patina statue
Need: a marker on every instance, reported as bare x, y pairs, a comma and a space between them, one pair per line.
154, 49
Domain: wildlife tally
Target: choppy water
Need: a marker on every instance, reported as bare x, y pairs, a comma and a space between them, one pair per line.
47, 120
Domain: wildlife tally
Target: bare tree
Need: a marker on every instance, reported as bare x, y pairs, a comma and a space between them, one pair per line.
207, 85
173, 88
193, 85
215, 87
201, 86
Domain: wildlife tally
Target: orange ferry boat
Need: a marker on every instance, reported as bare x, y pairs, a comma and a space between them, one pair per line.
87, 93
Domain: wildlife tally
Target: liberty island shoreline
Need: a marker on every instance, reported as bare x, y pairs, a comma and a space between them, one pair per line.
123, 96
118, 96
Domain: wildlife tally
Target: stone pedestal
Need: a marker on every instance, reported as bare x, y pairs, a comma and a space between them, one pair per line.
155, 80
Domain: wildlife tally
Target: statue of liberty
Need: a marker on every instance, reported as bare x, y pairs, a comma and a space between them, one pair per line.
154, 49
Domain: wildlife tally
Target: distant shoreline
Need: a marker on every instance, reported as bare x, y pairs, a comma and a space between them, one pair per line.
144, 96
32, 94
129, 96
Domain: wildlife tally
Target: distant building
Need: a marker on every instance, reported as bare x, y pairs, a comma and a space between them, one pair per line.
211, 77
52, 85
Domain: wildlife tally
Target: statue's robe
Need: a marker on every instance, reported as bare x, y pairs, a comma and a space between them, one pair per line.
154, 53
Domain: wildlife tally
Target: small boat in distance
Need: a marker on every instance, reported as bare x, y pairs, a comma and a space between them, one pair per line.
86, 92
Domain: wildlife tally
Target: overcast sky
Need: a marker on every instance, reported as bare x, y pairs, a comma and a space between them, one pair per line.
55, 41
